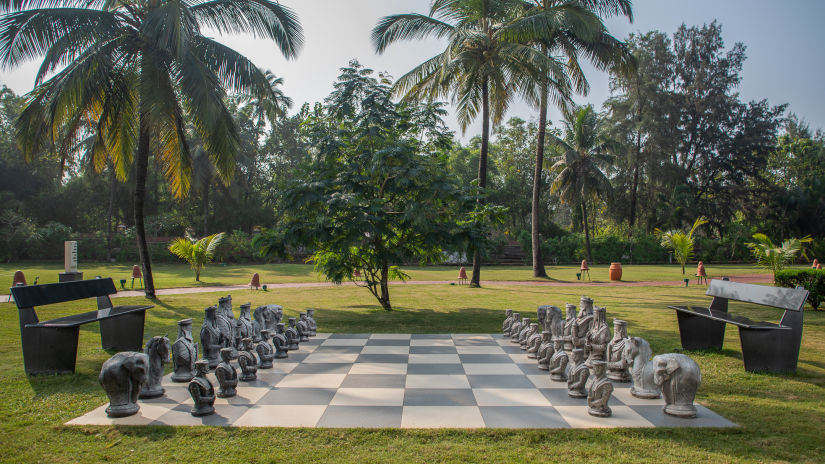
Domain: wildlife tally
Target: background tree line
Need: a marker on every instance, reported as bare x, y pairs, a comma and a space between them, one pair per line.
675, 142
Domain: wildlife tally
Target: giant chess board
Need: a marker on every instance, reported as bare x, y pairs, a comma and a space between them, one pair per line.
407, 381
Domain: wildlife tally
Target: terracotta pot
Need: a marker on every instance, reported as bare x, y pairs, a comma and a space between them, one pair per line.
615, 271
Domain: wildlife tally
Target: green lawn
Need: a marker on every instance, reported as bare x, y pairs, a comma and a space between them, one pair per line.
781, 416
180, 275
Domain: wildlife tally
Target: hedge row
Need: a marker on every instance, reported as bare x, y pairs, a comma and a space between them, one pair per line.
811, 279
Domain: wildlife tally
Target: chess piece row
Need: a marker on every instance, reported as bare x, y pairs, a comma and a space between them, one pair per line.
578, 350
127, 376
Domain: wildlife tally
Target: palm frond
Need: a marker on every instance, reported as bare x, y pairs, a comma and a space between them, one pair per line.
393, 28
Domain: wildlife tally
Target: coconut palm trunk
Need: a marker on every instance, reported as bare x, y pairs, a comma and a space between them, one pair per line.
475, 281
535, 216
141, 169
586, 233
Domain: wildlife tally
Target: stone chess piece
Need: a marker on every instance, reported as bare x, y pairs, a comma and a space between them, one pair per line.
598, 337
303, 328
272, 316
211, 337
292, 334
227, 375
258, 322
202, 391
243, 327
122, 376
248, 361
545, 352
516, 327
280, 342
577, 378
599, 391
266, 354
541, 312
184, 353
553, 321
637, 354
558, 363
679, 377
313, 325
567, 328
157, 350
533, 343
508, 322
616, 364
225, 320
582, 325
524, 333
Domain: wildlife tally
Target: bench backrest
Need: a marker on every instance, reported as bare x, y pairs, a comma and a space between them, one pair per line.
39, 295
778, 297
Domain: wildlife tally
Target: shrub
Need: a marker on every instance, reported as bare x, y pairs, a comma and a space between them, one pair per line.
812, 280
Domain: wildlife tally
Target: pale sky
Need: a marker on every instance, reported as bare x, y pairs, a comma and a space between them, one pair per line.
786, 57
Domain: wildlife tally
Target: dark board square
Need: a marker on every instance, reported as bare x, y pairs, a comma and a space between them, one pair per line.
500, 381
433, 350
439, 397
348, 336
383, 358
435, 369
321, 368
431, 336
298, 396
382, 342
338, 349
374, 381
485, 358
522, 417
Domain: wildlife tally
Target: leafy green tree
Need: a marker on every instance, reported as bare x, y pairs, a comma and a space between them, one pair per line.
680, 243
482, 68
579, 166
563, 31
377, 193
198, 253
775, 257
138, 69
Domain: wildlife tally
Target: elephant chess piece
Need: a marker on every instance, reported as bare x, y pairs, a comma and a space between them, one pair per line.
581, 327
248, 361
280, 342
598, 337
157, 350
558, 363
508, 322
524, 332
259, 322
616, 363
313, 325
516, 327
243, 326
303, 328
679, 377
211, 337
227, 375
578, 375
531, 343
553, 321
599, 390
266, 354
184, 353
292, 335
122, 376
545, 352
202, 391
637, 355
567, 328
541, 312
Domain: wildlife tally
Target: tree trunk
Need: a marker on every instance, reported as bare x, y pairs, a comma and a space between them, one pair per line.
538, 264
110, 211
586, 234
197, 275
205, 207
141, 168
385, 288
482, 171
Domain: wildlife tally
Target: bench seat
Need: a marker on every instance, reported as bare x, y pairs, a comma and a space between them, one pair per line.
728, 318
91, 316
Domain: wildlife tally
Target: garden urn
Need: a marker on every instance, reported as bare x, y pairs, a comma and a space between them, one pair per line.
615, 271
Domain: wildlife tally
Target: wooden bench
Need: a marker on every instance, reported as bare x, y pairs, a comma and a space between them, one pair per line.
51, 346
766, 346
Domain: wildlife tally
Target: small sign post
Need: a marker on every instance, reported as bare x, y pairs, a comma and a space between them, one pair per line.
70, 263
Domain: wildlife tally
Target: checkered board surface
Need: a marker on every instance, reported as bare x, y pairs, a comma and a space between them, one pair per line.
407, 381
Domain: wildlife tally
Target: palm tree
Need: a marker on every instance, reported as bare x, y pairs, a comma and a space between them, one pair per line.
137, 70
480, 69
566, 30
198, 253
681, 243
583, 155
775, 257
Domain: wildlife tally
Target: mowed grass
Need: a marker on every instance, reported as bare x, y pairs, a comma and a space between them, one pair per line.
781, 416
181, 275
